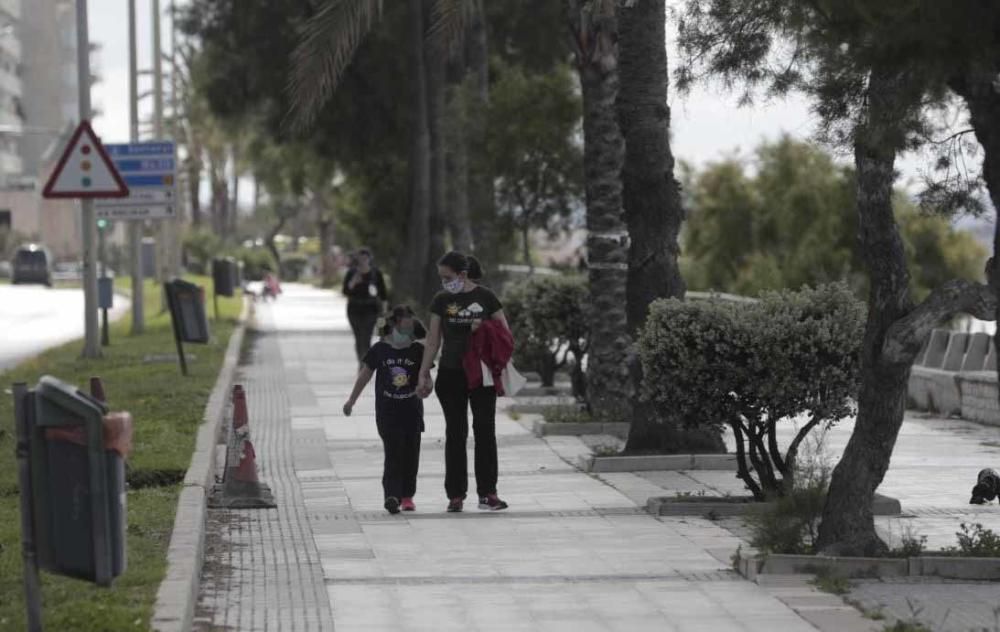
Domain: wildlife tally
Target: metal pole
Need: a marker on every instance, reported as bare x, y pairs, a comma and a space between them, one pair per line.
32, 587
91, 348
135, 227
101, 240
175, 131
164, 229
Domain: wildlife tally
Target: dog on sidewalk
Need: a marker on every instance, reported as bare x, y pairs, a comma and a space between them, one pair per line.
987, 487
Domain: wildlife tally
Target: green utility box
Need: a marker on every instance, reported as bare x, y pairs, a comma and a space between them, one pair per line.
78, 486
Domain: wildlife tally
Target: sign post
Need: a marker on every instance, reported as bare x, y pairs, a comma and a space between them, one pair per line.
85, 171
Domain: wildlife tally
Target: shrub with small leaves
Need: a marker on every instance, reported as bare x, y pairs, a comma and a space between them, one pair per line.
791, 355
977, 541
547, 317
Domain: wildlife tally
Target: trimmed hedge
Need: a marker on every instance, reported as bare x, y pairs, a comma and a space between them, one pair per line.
749, 366
547, 317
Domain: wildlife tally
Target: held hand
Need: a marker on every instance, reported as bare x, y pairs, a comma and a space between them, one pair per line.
425, 386
476, 324
348, 407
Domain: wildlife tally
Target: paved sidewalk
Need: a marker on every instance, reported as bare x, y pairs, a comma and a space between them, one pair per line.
572, 553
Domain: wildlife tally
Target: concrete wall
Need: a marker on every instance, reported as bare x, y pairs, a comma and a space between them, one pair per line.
956, 376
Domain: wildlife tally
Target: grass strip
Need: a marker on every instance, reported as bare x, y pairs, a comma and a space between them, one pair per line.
167, 409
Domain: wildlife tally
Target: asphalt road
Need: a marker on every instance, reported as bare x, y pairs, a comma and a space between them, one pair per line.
34, 318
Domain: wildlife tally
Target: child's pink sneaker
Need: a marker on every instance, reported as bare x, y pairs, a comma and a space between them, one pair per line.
407, 505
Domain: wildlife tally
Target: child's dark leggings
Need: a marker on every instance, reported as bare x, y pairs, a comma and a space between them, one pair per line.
402, 459
455, 397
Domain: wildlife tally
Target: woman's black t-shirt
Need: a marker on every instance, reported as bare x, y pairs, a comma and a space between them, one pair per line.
397, 405
457, 312
365, 296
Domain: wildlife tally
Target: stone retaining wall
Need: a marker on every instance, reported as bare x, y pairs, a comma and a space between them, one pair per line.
955, 375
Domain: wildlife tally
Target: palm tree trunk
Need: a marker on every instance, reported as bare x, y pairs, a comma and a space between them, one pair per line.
482, 204
848, 526
609, 387
412, 264
194, 169
457, 164
653, 207
435, 60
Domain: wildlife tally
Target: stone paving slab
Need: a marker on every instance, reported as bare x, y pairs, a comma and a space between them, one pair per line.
940, 605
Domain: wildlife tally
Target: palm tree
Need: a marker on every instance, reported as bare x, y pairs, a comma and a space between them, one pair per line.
330, 39
653, 209
594, 27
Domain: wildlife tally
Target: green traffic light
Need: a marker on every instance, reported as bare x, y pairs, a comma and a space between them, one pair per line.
102, 224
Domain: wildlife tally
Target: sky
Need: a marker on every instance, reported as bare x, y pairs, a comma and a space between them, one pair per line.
707, 125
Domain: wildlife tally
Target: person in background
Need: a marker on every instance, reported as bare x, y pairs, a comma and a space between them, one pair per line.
365, 290
456, 312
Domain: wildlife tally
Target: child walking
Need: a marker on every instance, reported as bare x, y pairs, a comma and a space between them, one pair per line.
399, 412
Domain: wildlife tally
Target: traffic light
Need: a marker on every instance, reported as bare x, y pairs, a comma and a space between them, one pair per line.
102, 223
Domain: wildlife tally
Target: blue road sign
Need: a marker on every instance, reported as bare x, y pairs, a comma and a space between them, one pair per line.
150, 171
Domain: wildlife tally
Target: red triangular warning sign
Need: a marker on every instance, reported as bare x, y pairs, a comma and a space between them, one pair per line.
84, 170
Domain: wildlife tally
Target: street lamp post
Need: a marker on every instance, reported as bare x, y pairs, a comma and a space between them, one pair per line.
135, 228
91, 347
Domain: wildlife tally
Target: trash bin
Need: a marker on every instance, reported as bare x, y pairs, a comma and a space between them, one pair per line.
78, 482
187, 308
224, 276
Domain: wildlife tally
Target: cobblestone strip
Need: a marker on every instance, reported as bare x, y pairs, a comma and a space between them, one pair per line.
262, 569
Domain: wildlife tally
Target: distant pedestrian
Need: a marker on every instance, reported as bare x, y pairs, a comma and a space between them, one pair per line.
458, 313
399, 412
365, 290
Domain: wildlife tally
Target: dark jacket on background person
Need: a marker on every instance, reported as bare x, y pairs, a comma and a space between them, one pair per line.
368, 294
492, 345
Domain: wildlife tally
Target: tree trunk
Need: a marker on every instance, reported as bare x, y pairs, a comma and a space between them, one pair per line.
235, 205
526, 247
194, 169
609, 387
482, 205
327, 268
653, 207
412, 264
848, 526
976, 86
435, 60
457, 154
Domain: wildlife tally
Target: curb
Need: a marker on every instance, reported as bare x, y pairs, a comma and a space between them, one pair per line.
178, 592
739, 506
658, 462
541, 428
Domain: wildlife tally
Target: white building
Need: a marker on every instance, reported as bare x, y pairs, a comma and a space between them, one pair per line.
11, 106
49, 78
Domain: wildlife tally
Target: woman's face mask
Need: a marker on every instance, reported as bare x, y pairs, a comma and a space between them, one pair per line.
453, 286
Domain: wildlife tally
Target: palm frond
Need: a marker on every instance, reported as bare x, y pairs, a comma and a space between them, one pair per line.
328, 42
449, 19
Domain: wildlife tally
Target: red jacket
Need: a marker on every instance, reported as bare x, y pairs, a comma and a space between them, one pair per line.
493, 345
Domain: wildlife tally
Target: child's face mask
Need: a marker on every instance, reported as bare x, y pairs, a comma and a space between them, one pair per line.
454, 286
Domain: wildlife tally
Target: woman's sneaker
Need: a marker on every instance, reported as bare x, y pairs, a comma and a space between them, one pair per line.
407, 505
492, 503
392, 505
455, 505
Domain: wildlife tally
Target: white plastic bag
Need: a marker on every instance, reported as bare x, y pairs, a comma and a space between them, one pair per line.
512, 380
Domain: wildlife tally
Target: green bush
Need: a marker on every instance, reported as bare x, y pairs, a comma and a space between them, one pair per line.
293, 265
256, 262
791, 524
547, 317
751, 365
977, 541
200, 246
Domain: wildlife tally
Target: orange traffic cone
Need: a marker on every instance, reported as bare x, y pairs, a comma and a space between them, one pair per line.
240, 488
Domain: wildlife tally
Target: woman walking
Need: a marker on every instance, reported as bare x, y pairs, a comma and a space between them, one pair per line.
365, 290
462, 308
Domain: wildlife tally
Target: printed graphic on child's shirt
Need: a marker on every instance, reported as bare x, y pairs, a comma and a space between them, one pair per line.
459, 316
402, 371
400, 377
